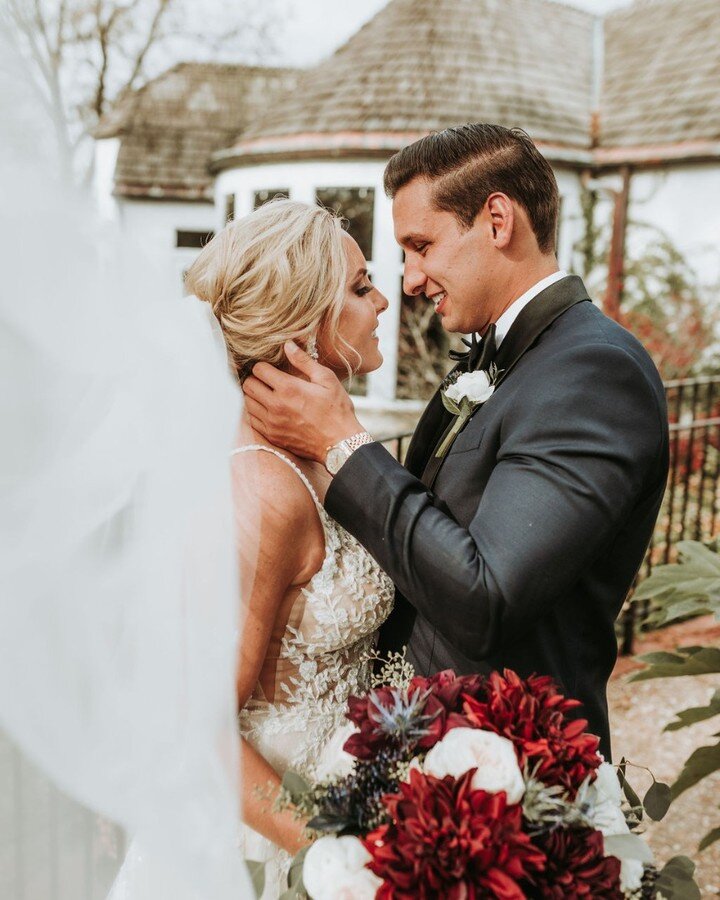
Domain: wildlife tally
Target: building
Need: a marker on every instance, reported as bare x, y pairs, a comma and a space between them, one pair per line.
153, 152
625, 107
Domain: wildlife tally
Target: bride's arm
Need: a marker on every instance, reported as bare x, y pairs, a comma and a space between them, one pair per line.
281, 545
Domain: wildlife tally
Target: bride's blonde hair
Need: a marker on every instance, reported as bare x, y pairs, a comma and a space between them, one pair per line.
275, 275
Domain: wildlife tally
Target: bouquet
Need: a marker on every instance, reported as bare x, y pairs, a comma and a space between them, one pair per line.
465, 787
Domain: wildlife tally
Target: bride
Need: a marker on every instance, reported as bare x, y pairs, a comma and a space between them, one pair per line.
313, 598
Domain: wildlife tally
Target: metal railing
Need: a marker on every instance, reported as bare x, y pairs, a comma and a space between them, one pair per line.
691, 506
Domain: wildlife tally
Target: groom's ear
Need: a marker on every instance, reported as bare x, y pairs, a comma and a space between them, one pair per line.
501, 213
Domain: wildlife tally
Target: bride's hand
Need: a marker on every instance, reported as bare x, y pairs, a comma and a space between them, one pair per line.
305, 417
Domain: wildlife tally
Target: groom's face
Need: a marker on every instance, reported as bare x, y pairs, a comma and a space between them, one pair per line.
453, 266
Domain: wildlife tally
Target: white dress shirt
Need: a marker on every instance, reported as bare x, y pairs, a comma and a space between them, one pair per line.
503, 324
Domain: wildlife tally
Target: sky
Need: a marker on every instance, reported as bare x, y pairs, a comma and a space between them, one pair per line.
314, 28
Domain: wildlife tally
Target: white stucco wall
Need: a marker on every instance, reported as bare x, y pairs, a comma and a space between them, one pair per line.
683, 201
571, 220
152, 226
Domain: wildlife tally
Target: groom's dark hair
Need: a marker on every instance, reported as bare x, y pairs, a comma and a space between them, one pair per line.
470, 162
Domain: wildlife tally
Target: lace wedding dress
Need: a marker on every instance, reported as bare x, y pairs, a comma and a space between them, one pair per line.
314, 662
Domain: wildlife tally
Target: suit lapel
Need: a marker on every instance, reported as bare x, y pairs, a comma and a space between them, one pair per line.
538, 315
432, 422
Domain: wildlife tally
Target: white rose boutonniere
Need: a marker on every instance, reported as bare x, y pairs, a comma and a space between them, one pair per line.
463, 396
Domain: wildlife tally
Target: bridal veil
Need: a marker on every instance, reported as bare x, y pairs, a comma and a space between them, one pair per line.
118, 583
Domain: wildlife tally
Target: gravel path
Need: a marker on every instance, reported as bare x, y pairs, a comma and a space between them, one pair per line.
639, 711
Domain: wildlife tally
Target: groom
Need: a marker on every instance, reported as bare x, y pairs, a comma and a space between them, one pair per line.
517, 546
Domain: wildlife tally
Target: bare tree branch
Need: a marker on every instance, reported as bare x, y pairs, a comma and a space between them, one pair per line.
83, 55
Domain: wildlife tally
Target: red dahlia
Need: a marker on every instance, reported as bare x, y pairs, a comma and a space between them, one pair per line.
448, 840
576, 867
536, 718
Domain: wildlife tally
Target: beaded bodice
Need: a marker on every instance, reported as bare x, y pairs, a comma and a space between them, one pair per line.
320, 655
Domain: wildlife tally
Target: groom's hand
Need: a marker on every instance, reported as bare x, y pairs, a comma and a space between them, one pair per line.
305, 417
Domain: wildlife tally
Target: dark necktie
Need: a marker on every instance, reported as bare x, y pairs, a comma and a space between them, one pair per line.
480, 353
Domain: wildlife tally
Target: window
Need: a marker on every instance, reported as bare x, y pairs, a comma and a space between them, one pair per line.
193, 240
229, 207
262, 197
357, 206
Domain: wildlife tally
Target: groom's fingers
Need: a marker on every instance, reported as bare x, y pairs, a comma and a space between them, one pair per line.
257, 389
269, 376
254, 408
303, 362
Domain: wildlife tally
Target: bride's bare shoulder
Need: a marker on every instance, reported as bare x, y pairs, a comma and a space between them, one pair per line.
267, 486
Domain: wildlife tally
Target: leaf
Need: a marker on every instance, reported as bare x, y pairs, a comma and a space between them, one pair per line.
657, 800
696, 714
689, 587
325, 822
295, 785
296, 888
703, 762
675, 881
688, 661
631, 796
296, 869
709, 838
450, 405
257, 874
628, 846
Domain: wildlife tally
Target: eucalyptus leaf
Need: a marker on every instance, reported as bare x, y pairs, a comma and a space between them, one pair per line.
696, 714
709, 838
630, 795
324, 822
295, 785
296, 870
703, 762
257, 875
675, 881
657, 800
628, 846
450, 405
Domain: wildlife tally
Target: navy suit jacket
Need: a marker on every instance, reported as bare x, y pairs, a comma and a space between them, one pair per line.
524, 550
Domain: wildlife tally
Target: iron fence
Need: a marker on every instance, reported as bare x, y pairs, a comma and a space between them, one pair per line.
691, 505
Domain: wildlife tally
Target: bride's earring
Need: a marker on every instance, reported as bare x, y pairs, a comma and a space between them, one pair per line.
311, 347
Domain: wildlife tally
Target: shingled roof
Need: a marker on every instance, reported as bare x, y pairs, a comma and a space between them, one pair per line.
649, 91
422, 65
661, 75
171, 127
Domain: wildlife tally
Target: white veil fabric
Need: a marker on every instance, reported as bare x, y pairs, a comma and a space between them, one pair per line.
119, 592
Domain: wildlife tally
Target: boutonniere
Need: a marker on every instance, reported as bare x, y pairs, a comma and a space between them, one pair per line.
464, 392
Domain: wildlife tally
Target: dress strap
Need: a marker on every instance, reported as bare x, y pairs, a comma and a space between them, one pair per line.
303, 476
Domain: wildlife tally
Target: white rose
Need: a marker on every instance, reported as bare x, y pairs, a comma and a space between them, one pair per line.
334, 868
607, 784
605, 795
333, 761
631, 875
494, 756
475, 386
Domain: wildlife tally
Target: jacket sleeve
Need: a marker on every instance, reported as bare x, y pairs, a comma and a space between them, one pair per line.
574, 458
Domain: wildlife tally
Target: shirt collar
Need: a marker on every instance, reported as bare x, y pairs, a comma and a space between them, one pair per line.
504, 323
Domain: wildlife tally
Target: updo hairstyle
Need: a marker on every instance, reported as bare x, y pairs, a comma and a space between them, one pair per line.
275, 275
